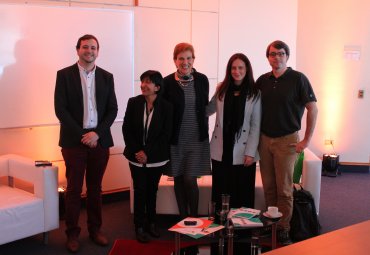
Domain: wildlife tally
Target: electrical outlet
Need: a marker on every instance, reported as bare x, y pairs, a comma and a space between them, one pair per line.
360, 93
329, 142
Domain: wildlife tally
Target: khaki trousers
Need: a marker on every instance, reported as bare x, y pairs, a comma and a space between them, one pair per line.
277, 161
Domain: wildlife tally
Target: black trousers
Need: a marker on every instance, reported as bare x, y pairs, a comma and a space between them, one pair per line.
146, 180
236, 180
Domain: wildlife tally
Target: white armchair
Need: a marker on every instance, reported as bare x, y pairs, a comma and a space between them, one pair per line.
311, 176
22, 213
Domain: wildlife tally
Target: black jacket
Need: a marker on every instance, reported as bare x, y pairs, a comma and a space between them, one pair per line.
157, 147
175, 95
68, 104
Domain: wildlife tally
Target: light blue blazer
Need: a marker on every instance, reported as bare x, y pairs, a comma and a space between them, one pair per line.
247, 144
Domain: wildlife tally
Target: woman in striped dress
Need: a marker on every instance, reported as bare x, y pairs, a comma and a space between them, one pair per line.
188, 90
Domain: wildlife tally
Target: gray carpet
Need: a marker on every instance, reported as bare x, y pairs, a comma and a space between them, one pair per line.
344, 201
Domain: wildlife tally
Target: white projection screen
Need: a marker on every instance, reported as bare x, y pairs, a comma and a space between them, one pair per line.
36, 41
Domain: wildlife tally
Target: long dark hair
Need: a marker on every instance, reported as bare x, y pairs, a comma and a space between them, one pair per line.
248, 83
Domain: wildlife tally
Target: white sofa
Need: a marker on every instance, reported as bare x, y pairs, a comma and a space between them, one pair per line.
166, 200
22, 213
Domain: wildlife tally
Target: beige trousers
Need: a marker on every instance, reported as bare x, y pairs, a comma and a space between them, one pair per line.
278, 157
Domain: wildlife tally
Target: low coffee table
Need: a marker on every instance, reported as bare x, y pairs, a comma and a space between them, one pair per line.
213, 249
216, 245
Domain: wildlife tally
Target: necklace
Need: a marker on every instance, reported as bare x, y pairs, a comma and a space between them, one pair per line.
237, 93
183, 83
184, 80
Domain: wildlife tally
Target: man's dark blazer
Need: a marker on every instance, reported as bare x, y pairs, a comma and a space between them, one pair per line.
68, 103
157, 147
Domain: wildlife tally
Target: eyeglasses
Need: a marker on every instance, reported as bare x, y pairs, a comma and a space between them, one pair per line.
274, 54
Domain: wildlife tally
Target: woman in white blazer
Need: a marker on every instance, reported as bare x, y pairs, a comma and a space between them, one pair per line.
234, 141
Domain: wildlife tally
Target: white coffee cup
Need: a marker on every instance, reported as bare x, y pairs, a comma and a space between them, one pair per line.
273, 211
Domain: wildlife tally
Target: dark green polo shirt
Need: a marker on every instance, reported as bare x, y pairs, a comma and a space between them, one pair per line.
283, 101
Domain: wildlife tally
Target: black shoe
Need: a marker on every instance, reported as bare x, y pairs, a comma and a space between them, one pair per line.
141, 236
283, 237
153, 230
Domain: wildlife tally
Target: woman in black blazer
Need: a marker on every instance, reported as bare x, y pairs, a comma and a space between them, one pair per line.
147, 129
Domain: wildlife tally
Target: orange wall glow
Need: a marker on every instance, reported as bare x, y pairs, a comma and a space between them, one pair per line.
322, 47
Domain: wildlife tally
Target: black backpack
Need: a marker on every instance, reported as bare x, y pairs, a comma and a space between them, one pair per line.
304, 223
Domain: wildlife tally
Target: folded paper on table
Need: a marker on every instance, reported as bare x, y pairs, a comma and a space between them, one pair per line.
245, 217
202, 228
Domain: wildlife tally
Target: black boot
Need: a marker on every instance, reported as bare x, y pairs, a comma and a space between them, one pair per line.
141, 236
283, 237
153, 230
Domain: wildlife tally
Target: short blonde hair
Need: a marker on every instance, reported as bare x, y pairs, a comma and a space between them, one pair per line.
181, 47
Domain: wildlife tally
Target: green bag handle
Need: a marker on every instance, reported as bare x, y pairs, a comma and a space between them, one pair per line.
298, 168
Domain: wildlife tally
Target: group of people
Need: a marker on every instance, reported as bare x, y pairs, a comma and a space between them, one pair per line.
165, 130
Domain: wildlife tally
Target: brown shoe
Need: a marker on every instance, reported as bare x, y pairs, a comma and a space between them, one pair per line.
72, 244
99, 239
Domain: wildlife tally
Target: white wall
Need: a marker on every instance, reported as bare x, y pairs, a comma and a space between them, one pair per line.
249, 26
325, 28
316, 31
158, 27
28, 64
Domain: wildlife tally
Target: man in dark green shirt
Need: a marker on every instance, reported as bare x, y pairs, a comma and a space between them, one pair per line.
286, 93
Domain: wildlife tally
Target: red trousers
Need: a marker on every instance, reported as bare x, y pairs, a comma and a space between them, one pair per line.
82, 162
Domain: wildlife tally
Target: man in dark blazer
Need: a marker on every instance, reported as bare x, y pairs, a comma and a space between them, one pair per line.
86, 106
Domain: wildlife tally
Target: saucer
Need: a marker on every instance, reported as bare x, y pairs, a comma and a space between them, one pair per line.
266, 214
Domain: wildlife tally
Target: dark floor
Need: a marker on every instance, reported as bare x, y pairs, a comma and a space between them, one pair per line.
344, 201
118, 224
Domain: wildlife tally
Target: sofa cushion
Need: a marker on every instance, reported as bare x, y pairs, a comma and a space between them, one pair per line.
166, 199
19, 210
4, 166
